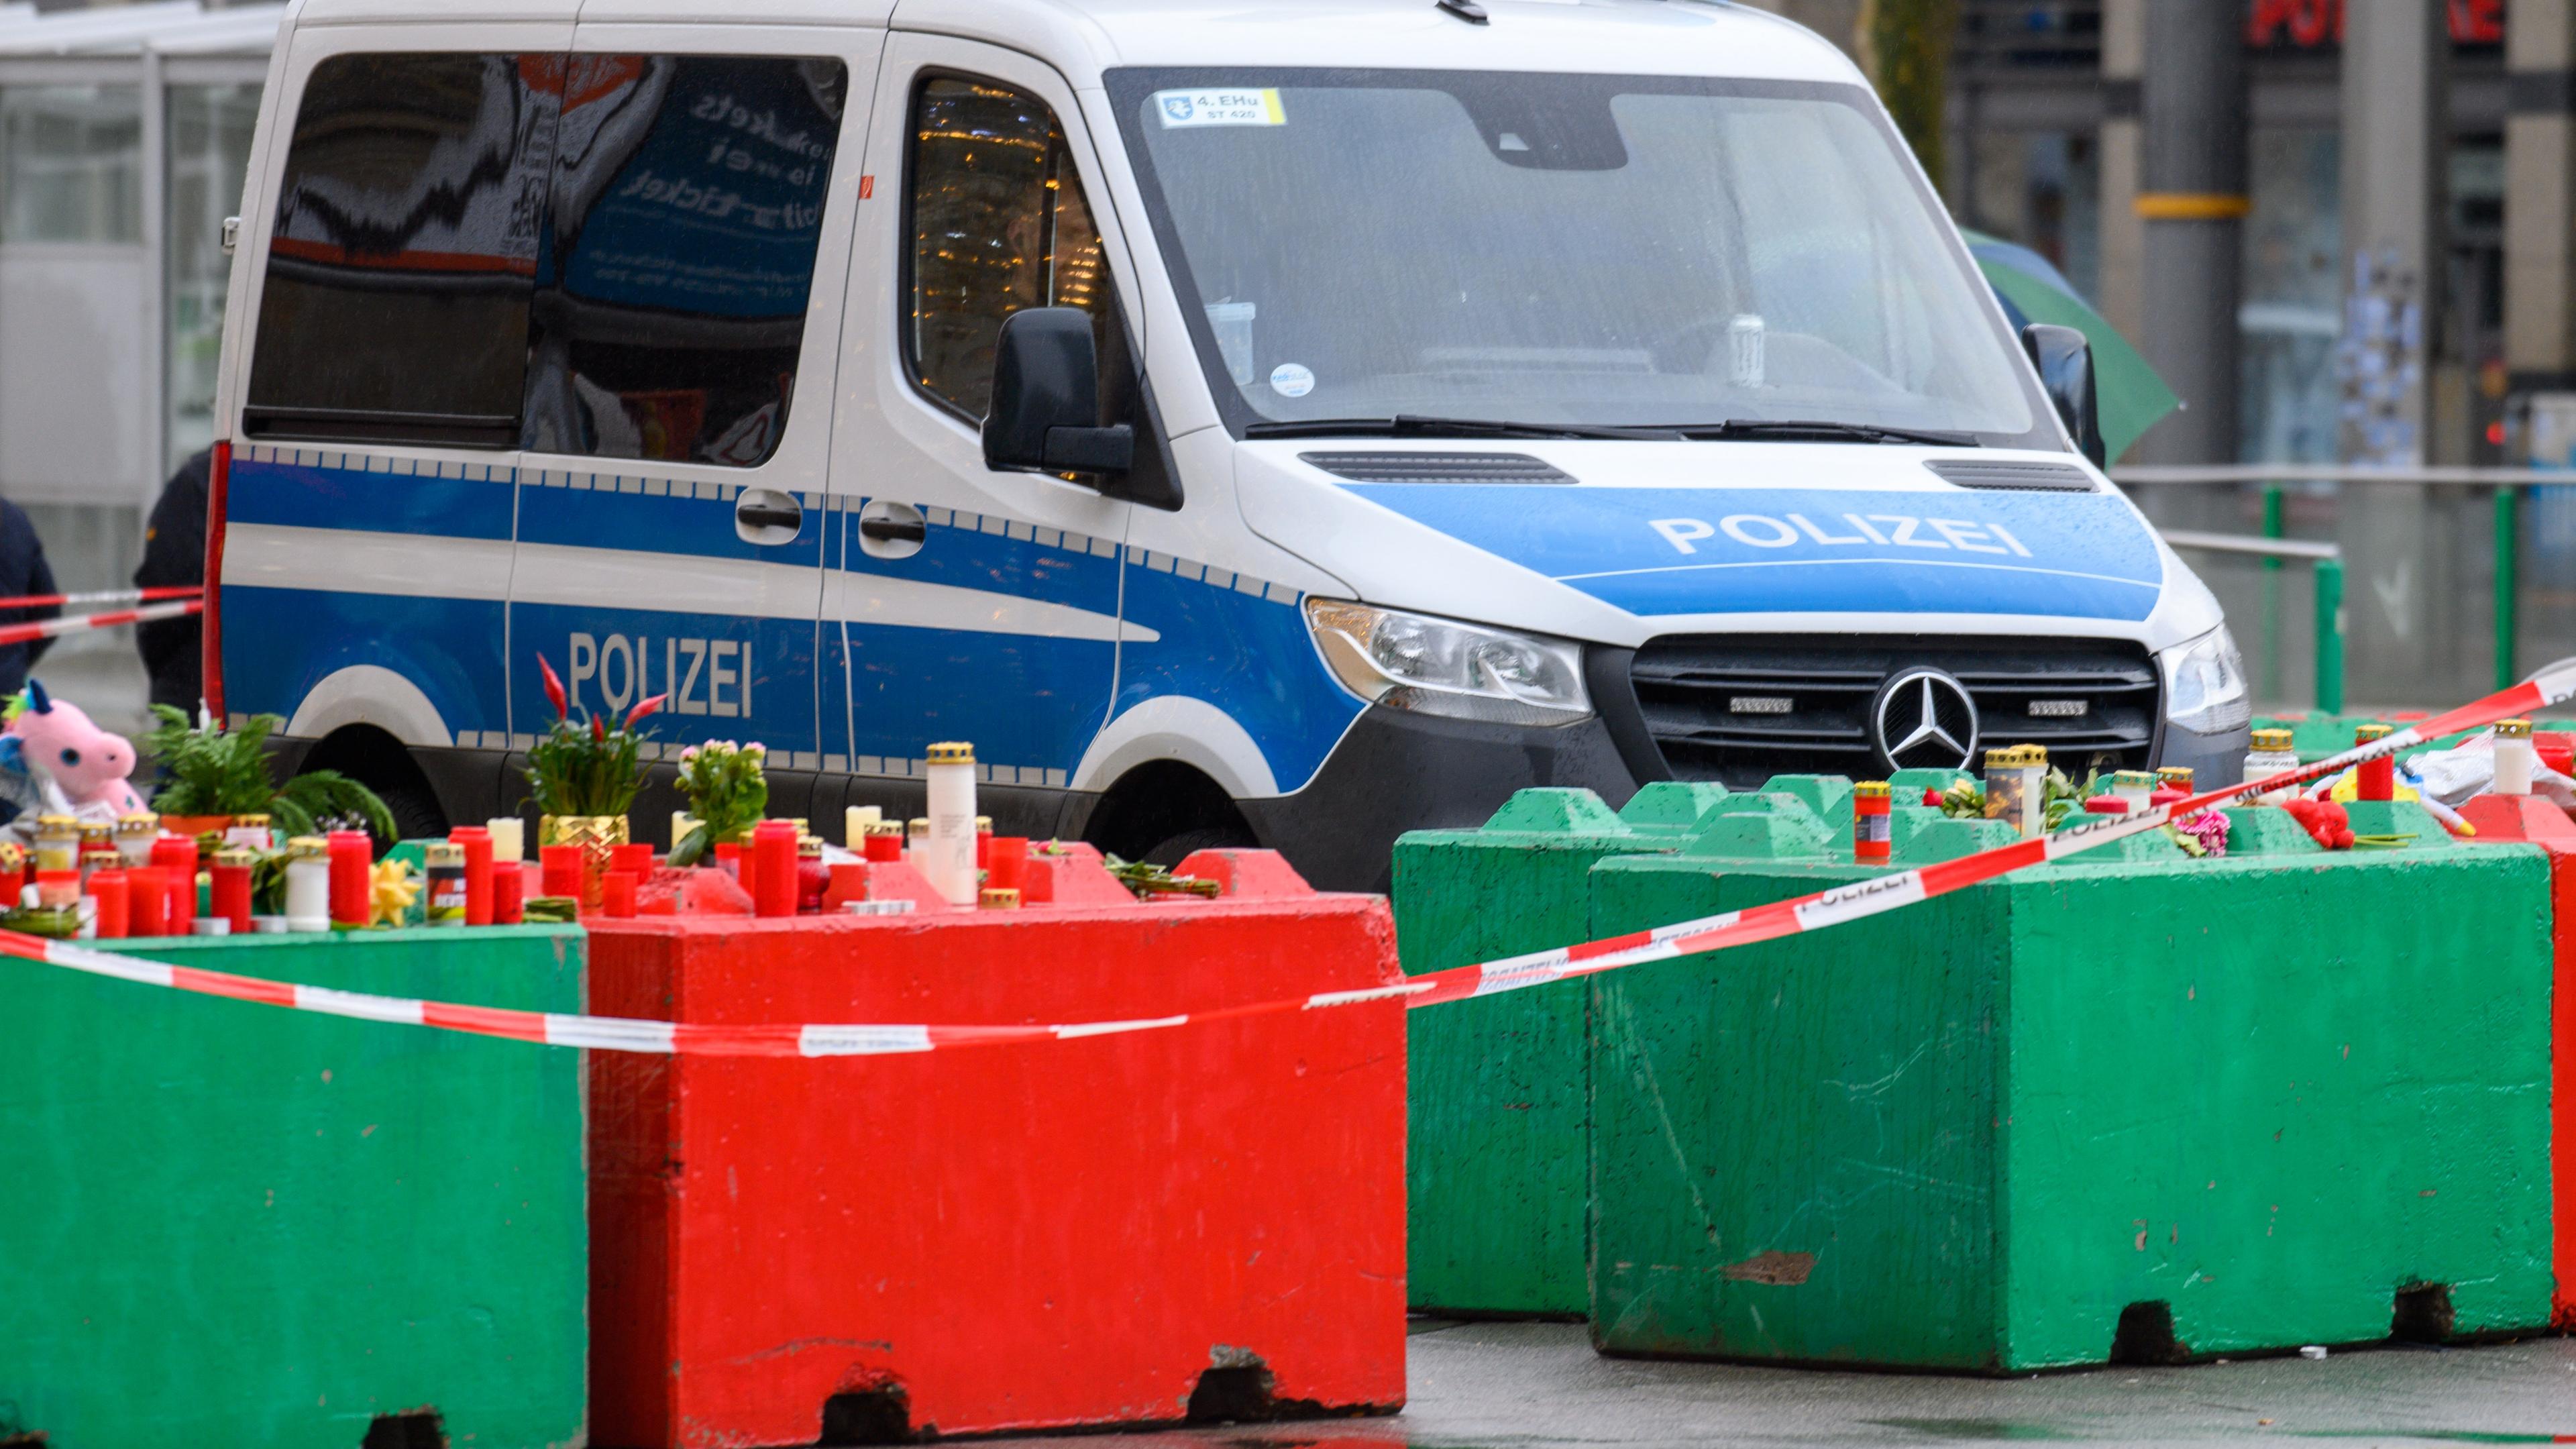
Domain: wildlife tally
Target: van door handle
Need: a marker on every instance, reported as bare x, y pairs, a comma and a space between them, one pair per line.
767, 516
891, 530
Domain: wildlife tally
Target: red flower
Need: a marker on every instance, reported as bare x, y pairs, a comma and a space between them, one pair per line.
644, 707
599, 728
554, 689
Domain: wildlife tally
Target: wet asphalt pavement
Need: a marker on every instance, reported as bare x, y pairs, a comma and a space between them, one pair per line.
1527, 1385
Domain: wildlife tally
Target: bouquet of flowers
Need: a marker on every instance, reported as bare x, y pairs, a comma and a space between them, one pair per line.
728, 793
574, 771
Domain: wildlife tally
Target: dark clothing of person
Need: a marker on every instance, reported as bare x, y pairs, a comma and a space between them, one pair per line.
174, 556
23, 570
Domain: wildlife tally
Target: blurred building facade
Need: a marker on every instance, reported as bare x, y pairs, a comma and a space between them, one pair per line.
124, 135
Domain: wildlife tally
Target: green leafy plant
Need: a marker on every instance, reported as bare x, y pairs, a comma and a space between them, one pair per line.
1149, 881
211, 770
593, 771
728, 792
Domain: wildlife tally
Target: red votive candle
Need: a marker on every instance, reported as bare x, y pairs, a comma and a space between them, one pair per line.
353, 859
108, 889
176, 857
886, 845
772, 863
2106, 805
635, 860
2374, 779
562, 870
617, 894
1006, 863
509, 887
849, 883
147, 902
231, 895
477, 843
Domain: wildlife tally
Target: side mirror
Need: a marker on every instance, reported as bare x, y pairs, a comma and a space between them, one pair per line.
1046, 398
2065, 363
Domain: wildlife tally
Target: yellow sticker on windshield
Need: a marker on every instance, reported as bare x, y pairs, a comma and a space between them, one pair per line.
1220, 108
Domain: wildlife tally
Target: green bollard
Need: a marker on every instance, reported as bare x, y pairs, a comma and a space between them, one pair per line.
2329, 579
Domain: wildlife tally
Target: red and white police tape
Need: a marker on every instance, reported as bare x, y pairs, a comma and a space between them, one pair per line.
101, 596
73, 624
1710, 933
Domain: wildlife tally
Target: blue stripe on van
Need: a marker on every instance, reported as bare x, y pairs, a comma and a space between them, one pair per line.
605, 516
450, 648
728, 677
308, 495
1244, 651
1025, 700
1662, 551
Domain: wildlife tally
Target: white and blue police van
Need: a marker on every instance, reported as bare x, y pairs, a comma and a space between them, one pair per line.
1289, 423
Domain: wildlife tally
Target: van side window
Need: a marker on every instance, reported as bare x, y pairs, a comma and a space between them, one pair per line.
404, 252
998, 223
601, 255
687, 206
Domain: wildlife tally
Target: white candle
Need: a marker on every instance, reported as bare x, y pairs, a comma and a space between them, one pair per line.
2514, 757
509, 839
854, 825
948, 856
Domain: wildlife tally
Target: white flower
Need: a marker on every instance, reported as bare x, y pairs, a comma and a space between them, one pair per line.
755, 748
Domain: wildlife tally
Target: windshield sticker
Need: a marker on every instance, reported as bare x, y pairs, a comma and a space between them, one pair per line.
1219, 108
1289, 379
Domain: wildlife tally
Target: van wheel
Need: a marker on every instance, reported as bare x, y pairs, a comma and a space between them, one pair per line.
415, 811
1181, 847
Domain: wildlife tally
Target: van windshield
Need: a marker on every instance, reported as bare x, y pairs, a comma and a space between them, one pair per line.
1584, 251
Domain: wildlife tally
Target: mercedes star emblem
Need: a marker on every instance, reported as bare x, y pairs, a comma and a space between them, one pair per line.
1924, 719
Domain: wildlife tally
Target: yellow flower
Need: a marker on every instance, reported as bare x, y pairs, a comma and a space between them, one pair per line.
393, 894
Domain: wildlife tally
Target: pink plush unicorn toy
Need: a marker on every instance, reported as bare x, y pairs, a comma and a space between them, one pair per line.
64, 761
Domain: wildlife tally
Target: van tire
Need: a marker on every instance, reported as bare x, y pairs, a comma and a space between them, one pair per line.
416, 813
1161, 811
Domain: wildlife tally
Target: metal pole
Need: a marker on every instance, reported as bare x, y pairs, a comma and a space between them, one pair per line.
2272, 528
2329, 579
2507, 617
2192, 201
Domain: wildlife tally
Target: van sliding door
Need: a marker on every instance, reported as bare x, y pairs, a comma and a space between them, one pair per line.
672, 514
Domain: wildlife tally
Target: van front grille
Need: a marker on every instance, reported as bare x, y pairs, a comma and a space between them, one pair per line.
1740, 709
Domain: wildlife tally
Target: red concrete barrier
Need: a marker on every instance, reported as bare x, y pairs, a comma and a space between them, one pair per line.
1205, 1222
2526, 817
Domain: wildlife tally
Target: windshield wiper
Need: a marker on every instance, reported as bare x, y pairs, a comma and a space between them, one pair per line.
1408, 425
1783, 428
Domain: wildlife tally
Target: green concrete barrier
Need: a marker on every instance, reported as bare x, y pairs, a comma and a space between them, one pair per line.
232, 1224
1495, 1161
1499, 1093
2139, 1110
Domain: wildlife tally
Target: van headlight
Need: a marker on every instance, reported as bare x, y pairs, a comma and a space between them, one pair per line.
2205, 689
1439, 666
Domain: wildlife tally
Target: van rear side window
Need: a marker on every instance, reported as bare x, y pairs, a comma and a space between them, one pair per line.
405, 252
598, 255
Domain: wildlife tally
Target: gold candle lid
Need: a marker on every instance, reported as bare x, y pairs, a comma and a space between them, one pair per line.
2272, 741
2366, 733
809, 847
2133, 779
439, 853
949, 752
251, 822
2175, 775
885, 827
2513, 729
2016, 757
997, 898
917, 827
311, 847
983, 825
1870, 789
234, 856
138, 822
